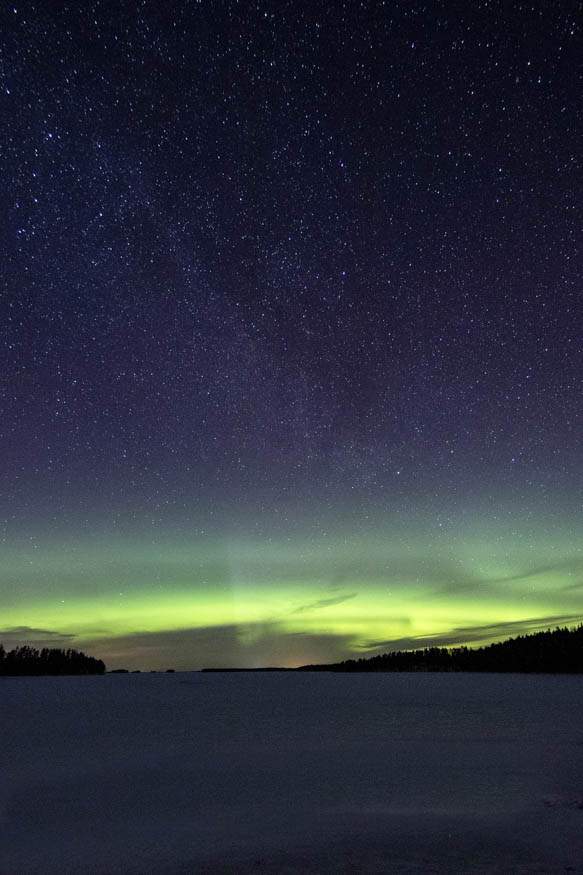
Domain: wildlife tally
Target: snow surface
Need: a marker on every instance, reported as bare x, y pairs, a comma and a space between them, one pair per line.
291, 773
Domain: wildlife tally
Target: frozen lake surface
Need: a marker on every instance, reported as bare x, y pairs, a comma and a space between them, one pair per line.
291, 773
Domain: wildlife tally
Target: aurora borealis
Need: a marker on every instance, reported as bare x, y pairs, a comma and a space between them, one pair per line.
290, 328
256, 599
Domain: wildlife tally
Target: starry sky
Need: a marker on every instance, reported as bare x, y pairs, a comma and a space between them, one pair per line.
290, 326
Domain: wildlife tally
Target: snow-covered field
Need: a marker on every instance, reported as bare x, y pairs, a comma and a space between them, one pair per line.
291, 773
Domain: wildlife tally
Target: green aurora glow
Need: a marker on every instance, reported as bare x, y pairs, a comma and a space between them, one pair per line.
252, 601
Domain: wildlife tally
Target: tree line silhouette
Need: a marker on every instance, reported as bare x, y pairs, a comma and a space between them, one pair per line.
27, 660
556, 651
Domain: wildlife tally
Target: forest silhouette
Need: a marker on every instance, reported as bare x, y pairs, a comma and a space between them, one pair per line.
29, 661
556, 651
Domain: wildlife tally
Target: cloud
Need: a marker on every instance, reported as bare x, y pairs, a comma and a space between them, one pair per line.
466, 582
16, 636
568, 566
325, 603
238, 646
256, 645
472, 634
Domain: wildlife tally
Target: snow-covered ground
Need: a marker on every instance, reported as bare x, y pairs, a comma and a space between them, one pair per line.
291, 773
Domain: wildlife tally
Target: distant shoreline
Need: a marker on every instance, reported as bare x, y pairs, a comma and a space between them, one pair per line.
559, 651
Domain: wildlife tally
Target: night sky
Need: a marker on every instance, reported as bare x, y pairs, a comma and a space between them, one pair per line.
290, 325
